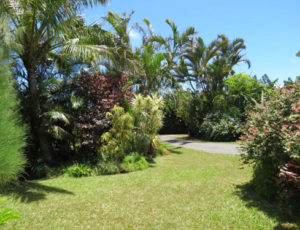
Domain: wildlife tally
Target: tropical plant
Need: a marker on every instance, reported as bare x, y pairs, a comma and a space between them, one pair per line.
79, 170
206, 67
243, 91
134, 162
98, 95
148, 117
12, 133
152, 76
220, 127
272, 136
46, 34
117, 142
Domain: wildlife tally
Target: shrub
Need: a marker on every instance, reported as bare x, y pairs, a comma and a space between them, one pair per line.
220, 127
117, 142
79, 170
8, 215
272, 136
12, 134
134, 162
148, 118
98, 95
107, 168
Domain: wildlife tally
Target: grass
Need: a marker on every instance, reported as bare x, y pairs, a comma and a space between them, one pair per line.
187, 137
185, 190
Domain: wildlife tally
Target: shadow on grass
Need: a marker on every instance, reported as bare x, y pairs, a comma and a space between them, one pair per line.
28, 192
286, 216
173, 149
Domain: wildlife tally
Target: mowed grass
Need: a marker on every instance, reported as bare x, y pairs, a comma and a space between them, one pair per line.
185, 190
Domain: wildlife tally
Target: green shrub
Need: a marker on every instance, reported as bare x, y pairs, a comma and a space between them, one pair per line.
117, 142
148, 118
134, 162
8, 215
107, 168
272, 136
79, 170
220, 127
12, 134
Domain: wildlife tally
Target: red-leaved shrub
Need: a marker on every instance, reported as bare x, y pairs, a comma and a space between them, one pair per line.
98, 95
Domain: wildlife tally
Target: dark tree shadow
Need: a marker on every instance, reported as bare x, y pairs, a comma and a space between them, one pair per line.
178, 141
28, 192
287, 216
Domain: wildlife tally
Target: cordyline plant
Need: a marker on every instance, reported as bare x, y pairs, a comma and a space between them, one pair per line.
272, 136
98, 94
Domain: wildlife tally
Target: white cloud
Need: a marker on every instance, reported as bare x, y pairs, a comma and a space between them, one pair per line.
134, 35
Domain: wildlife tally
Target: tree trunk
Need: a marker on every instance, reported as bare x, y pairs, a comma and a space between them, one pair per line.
36, 126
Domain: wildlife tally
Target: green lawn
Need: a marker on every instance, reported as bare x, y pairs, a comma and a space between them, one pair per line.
185, 190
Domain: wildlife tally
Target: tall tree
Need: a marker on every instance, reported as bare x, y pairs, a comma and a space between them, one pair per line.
43, 30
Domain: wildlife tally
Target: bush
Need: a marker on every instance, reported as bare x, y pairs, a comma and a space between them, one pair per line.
12, 134
97, 95
117, 142
148, 119
134, 162
272, 136
220, 127
79, 170
107, 168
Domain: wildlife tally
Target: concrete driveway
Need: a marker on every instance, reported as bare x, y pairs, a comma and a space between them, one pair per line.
210, 147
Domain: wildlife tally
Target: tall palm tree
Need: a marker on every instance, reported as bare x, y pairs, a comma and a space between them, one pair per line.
43, 30
206, 67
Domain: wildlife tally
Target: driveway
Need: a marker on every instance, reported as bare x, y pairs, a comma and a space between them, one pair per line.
210, 147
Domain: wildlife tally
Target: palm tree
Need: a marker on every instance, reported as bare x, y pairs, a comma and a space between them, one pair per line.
174, 47
45, 30
153, 70
124, 59
206, 67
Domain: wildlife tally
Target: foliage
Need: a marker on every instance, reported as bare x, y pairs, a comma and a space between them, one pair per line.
134, 162
8, 215
272, 136
48, 40
192, 109
220, 127
172, 124
12, 133
107, 168
148, 117
79, 170
243, 91
99, 94
117, 142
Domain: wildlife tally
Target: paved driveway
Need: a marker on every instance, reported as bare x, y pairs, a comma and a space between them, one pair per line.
210, 147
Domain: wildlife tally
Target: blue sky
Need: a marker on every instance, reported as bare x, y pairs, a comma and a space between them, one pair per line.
270, 28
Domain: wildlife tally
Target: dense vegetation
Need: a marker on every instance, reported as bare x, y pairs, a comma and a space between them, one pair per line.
272, 142
78, 99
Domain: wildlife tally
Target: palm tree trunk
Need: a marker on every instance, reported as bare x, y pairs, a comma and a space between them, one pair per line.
36, 126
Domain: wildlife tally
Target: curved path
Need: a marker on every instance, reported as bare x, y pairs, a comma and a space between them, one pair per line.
210, 147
